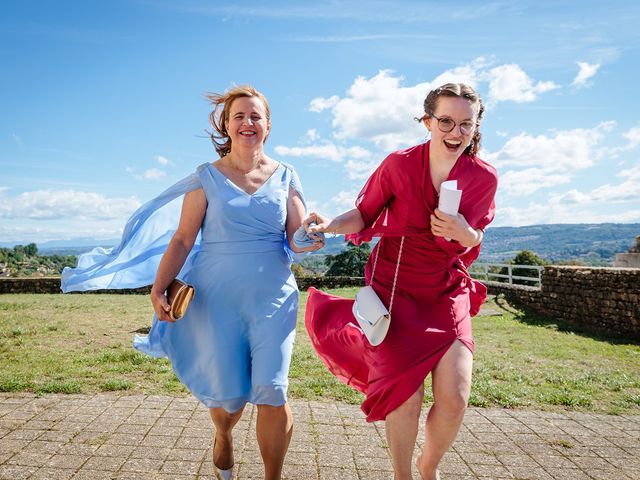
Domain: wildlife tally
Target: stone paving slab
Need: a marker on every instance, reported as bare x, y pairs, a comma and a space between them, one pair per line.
116, 436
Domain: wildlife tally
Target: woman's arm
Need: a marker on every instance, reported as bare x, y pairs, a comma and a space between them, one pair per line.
194, 207
295, 215
456, 228
348, 222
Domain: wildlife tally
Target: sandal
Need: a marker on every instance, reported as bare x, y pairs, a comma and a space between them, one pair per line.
222, 474
219, 473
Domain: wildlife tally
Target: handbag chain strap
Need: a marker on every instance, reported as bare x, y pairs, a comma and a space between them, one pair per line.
395, 276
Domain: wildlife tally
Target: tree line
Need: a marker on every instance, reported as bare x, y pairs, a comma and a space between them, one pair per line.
24, 261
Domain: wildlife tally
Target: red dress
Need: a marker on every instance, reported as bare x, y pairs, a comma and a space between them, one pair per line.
435, 296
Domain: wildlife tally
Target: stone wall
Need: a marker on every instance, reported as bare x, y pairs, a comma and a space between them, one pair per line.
598, 300
52, 285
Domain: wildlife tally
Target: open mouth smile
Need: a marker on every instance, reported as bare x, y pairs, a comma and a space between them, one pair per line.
452, 144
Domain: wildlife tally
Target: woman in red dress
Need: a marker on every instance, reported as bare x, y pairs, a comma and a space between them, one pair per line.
434, 298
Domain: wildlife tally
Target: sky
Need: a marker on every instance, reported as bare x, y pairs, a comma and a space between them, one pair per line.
102, 104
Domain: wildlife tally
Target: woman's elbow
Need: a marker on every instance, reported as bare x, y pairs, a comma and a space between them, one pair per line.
182, 242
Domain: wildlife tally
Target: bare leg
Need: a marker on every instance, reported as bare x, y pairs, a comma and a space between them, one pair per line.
273, 429
451, 382
401, 427
223, 443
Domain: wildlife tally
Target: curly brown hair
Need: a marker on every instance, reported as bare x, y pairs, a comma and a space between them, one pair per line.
220, 114
456, 90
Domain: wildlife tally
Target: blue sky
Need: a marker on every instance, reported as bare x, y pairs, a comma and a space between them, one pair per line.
103, 102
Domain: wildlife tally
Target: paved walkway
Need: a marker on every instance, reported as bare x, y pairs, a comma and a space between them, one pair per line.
115, 436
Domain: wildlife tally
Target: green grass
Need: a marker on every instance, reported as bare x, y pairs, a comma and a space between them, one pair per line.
82, 344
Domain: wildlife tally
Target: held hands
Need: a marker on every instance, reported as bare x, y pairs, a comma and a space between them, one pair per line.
317, 244
161, 306
304, 241
316, 223
455, 228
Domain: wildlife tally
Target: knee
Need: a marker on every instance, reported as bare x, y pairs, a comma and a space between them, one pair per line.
222, 419
275, 412
272, 409
453, 404
413, 405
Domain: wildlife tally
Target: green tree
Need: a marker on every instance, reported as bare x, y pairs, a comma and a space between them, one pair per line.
314, 264
297, 270
525, 257
31, 250
350, 262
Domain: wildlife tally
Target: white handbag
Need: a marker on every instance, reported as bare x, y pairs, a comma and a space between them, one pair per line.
372, 316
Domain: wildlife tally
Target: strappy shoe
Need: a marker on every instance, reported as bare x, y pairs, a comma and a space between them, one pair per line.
223, 474
219, 473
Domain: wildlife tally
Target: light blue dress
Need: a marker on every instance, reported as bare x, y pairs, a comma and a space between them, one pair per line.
235, 342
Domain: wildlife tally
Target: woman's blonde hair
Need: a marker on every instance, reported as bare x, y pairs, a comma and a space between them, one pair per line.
220, 114
456, 90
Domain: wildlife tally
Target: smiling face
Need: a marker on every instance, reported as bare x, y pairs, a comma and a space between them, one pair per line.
247, 124
450, 145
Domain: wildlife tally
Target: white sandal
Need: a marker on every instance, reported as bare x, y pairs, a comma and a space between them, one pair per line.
223, 474
219, 472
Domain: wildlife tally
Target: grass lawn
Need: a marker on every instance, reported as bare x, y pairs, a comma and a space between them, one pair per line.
82, 344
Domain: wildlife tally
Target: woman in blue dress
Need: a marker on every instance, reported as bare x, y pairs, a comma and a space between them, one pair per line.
234, 243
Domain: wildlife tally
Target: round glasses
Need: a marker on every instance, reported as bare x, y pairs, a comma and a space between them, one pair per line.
446, 124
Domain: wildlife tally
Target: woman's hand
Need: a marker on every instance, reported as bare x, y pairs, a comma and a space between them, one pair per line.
315, 247
316, 223
161, 306
455, 228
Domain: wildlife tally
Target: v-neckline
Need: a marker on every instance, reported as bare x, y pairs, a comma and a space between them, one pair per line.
429, 178
234, 185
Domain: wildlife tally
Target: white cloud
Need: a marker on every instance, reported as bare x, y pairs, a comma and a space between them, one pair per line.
587, 71
511, 83
152, 174
521, 183
340, 203
627, 191
319, 104
359, 170
336, 205
536, 214
633, 135
16, 138
162, 160
381, 109
312, 135
563, 150
327, 151
601, 204
61, 204
544, 161
37, 234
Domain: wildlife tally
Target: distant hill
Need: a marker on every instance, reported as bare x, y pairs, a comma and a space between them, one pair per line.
592, 244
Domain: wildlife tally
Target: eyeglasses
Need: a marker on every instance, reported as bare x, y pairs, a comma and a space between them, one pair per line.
446, 124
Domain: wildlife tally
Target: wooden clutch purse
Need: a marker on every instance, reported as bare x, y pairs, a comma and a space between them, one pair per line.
179, 296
